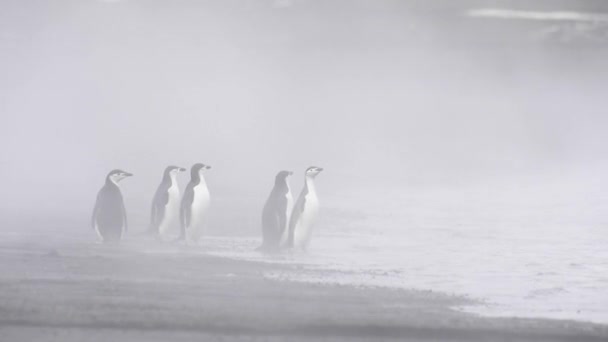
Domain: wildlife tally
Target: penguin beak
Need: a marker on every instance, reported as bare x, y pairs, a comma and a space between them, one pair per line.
290, 173
181, 169
319, 169
207, 167
128, 174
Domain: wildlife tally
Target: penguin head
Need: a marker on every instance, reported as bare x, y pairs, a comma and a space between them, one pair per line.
313, 171
199, 168
282, 176
117, 175
173, 170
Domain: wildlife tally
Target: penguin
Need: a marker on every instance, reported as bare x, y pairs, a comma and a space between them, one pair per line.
165, 205
305, 212
276, 213
195, 203
109, 217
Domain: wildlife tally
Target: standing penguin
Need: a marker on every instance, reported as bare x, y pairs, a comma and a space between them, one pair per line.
165, 205
305, 212
276, 212
193, 211
109, 215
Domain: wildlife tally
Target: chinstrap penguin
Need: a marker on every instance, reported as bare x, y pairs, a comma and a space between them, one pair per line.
165, 205
109, 217
195, 204
276, 213
304, 213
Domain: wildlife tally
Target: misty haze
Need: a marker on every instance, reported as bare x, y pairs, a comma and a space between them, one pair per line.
303, 170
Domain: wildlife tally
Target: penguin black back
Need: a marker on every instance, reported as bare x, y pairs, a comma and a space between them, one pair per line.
161, 198
109, 214
275, 213
188, 209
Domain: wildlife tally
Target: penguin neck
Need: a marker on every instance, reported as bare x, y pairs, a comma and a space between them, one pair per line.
111, 182
282, 186
171, 179
198, 180
310, 185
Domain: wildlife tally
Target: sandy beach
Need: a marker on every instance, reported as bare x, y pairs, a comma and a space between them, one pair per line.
82, 291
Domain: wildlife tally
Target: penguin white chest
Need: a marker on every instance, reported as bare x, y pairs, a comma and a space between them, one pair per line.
200, 204
198, 212
311, 209
306, 221
171, 210
173, 198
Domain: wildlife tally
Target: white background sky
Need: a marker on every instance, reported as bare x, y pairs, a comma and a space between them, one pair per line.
385, 93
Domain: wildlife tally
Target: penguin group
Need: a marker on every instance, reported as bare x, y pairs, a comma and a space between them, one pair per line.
285, 225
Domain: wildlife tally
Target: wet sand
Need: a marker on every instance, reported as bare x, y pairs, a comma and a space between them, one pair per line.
75, 291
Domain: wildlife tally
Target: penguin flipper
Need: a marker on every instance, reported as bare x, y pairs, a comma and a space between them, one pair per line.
271, 230
158, 209
96, 209
94, 216
159, 214
153, 224
282, 221
125, 223
185, 214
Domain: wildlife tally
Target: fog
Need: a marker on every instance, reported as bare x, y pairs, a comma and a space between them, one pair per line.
377, 93
390, 97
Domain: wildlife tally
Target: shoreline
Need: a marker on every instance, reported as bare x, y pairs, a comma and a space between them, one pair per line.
93, 292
